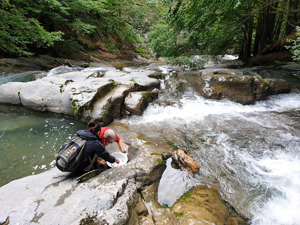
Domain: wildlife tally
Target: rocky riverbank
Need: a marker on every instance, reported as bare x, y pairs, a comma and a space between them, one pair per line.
120, 195
123, 195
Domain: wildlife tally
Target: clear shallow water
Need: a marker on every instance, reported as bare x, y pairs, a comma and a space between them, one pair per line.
30, 140
21, 77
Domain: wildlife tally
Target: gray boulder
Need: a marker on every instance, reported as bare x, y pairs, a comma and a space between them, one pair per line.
278, 86
235, 88
82, 93
54, 197
137, 102
233, 85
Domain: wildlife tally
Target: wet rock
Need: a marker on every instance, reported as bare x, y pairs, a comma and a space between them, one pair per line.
185, 162
235, 88
261, 89
222, 71
140, 208
157, 75
201, 205
233, 85
163, 68
278, 86
137, 102
206, 205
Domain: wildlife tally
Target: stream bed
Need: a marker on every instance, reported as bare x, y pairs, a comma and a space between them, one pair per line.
251, 154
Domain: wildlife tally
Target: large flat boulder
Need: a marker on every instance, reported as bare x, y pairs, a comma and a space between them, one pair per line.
84, 94
233, 85
54, 197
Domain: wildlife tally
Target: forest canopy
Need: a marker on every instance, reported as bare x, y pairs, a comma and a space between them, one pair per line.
170, 28
30, 26
247, 27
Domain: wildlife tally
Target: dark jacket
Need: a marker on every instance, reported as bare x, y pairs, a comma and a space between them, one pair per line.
94, 146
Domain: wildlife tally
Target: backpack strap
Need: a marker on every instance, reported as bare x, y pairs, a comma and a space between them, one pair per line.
92, 164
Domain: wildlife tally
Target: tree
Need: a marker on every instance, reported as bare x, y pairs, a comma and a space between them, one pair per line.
17, 32
251, 27
31, 25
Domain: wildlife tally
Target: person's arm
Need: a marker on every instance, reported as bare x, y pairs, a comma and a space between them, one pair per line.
103, 153
122, 147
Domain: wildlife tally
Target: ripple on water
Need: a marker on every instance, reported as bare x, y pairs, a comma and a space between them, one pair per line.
30, 140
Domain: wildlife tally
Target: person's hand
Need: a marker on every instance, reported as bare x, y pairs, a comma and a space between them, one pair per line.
100, 162
117, 161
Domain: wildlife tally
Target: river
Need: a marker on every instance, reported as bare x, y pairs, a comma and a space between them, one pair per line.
249, 153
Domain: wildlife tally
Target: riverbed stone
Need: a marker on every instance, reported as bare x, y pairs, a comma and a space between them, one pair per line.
261, 89
10, 93
235, 88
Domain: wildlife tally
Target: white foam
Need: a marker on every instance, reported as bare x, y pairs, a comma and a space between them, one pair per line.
283, 177
191, 110
229, 57
61, 69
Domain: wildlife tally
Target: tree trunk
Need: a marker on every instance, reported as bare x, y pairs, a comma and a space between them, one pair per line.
292, 18
258, 33
265, 30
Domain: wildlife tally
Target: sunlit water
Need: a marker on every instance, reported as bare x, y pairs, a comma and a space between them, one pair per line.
249, 153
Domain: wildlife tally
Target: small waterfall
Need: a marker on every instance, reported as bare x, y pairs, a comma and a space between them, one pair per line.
62, 69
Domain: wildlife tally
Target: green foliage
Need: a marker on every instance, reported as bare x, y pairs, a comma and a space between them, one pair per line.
83, 28
143, 52
295, 46
187, 62
18, 32
28, 25
111, 47
194, 26
177, 214
163, 40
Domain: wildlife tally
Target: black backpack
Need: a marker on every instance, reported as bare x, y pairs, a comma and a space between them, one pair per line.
70, 153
